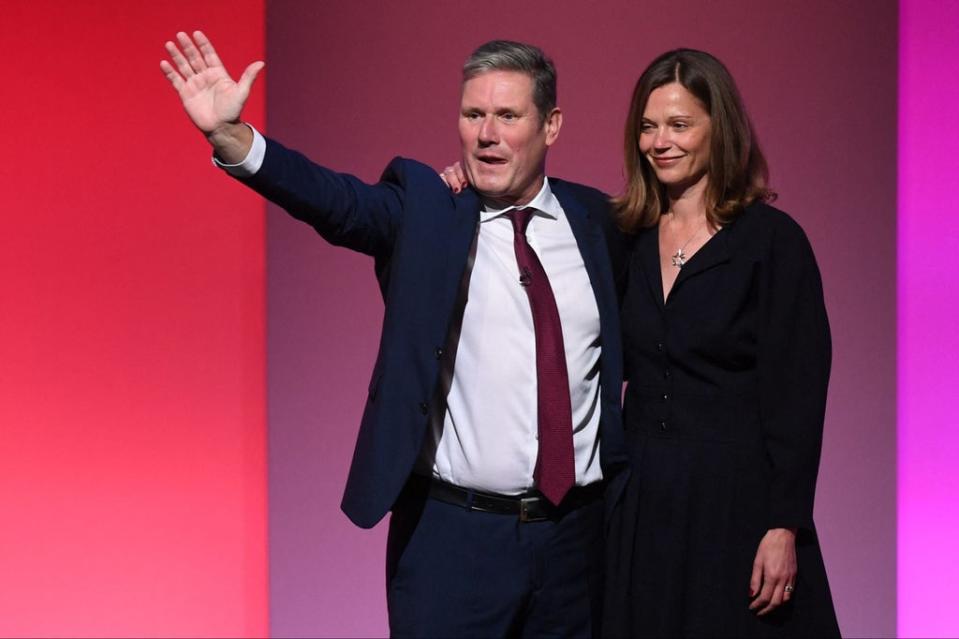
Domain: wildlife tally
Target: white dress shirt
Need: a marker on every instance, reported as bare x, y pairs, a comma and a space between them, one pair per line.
488, 438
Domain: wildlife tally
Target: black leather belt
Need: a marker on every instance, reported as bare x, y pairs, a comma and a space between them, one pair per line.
529, 507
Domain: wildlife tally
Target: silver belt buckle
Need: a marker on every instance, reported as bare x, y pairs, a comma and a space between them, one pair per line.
524, 513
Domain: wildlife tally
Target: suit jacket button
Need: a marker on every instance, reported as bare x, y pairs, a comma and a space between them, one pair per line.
424, 408
438, 352
662, 426
659, 347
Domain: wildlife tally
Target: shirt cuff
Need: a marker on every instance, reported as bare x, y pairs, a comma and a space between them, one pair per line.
251, 163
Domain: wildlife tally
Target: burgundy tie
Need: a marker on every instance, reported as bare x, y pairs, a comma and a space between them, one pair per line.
555, 471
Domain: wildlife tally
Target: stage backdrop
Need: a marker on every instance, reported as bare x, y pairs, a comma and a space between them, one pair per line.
132, 385
928, 307
355, 83
132, 403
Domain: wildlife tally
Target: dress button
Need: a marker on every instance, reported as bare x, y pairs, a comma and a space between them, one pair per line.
659, 347
665, 397
424, 408
666, 374
438, 352
662, 426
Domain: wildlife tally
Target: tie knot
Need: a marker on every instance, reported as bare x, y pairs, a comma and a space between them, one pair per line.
520, 219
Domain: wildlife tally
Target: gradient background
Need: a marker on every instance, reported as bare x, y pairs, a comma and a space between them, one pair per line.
132, 349
153, 322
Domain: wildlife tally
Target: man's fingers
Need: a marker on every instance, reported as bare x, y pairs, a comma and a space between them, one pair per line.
191, 52
207, 50
171, 74
186, 71
249, 75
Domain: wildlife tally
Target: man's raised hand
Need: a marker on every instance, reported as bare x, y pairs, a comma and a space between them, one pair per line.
210, 96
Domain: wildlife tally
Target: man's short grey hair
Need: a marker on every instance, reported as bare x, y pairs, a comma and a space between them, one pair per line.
506, 55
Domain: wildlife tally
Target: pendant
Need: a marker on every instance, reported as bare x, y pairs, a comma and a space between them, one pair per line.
679, 258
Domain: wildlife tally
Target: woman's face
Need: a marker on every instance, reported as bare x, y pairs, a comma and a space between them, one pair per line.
674, 137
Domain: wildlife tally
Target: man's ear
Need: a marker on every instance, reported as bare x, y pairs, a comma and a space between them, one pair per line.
553, 123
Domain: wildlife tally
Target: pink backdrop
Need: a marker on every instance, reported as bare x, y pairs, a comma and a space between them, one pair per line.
354, 83
928, 307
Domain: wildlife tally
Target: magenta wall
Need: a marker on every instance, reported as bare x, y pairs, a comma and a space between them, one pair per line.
354, 83
928, 307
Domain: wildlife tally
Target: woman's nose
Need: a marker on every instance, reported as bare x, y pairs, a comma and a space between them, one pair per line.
662, 139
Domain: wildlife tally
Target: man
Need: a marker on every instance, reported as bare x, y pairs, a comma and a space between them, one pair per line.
493, 411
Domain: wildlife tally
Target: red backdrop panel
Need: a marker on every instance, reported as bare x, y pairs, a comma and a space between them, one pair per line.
132, 453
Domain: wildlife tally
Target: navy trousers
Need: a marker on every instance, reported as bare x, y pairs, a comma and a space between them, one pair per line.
452, 572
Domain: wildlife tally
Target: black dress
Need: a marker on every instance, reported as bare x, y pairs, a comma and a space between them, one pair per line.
723, 417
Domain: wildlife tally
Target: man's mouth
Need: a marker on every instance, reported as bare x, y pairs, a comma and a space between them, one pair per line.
491, 159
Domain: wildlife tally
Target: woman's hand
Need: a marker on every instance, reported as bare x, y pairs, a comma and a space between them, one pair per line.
455, 177
774, 571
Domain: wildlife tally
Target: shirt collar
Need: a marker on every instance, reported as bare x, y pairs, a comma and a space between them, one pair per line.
544, 202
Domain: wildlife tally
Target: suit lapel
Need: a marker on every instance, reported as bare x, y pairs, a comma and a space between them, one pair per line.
589, 239
596, 259
460, 235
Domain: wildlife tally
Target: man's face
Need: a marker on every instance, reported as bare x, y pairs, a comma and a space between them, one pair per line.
504, 138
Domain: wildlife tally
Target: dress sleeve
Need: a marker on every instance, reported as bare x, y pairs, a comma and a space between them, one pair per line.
794, 358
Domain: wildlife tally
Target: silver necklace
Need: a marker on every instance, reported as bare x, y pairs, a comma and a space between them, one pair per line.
679, 257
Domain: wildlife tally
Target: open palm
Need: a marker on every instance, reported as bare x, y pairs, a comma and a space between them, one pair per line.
210, 96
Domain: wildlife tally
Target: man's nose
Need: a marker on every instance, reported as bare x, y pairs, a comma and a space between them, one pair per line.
488, 133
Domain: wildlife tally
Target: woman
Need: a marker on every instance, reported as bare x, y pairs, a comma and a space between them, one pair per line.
727, 353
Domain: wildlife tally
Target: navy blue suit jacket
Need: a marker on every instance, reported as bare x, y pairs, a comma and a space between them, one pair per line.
420, 235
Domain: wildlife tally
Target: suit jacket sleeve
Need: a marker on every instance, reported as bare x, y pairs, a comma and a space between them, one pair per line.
343, 209
794, 360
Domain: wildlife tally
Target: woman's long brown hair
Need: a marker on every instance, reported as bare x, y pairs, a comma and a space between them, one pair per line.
737, 169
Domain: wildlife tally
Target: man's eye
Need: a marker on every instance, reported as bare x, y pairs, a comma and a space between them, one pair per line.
509, 117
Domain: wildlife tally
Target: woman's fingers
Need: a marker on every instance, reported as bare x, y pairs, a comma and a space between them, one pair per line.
454, 177
788, 590
775, 599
